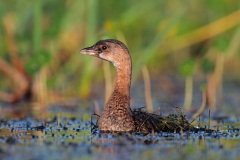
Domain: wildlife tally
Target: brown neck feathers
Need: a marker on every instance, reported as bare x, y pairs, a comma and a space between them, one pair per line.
123, 76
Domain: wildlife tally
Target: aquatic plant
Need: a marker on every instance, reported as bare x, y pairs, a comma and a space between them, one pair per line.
146, 122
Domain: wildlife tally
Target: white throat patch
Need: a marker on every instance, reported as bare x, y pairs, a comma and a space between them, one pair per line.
100, 55
115, 64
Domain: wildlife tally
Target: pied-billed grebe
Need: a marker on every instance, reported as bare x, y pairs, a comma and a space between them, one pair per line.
117, 114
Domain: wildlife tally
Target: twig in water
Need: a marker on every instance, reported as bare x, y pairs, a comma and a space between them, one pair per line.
58, 121
209, 112
94, 125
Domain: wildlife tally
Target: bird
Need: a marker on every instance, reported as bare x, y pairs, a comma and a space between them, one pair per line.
117, 115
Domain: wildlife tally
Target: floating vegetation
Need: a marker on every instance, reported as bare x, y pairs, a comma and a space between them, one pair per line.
146, 122
149, 122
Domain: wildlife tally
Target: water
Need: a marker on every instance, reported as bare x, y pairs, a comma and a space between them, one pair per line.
65, 133
71, 138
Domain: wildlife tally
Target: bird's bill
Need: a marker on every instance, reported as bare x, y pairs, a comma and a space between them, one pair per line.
89, 51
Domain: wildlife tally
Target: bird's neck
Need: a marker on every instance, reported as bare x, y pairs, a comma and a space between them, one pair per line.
123, 78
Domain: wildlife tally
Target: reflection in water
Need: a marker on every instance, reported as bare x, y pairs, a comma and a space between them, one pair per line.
112, 148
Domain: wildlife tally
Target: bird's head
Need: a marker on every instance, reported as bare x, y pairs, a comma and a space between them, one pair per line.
110, 50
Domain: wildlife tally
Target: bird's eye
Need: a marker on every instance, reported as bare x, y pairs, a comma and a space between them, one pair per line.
104, 47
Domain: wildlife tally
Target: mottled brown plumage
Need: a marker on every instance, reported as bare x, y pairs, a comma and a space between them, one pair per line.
117, 114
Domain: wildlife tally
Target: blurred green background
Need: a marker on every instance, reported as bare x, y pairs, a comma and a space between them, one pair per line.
41, 40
